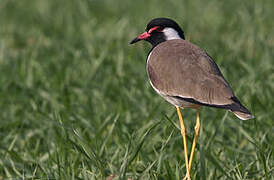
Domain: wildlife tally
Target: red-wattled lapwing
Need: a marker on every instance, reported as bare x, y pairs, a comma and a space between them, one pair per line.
186, 76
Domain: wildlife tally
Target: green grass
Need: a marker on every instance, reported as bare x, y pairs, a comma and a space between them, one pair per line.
76, 103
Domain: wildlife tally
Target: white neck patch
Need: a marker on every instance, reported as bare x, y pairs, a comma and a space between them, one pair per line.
171, 33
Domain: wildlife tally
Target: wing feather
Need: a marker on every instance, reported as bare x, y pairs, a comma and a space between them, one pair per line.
180, 68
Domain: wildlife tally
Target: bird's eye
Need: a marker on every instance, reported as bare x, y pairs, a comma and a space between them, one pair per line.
160, 29
156, 28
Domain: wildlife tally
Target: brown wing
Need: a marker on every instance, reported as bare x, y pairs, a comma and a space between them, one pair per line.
180, 68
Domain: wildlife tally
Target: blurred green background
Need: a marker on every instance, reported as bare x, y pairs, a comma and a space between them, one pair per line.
76, 102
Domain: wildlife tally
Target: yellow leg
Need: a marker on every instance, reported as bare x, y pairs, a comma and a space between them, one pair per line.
183, 132
197, 129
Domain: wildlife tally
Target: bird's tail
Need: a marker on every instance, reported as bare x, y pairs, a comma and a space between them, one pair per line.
243, 115
240, 111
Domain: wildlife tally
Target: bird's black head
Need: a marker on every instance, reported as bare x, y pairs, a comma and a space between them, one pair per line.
159, 30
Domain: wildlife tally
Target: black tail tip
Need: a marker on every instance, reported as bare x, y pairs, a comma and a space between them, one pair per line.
239, 110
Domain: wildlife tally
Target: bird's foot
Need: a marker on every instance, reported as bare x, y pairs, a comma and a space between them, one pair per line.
187, 177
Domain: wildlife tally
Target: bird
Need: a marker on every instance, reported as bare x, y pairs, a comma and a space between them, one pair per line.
186, 76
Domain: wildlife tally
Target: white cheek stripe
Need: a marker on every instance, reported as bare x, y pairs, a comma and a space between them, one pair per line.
170, 33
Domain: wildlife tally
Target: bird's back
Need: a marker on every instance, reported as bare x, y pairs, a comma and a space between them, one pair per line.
180, 69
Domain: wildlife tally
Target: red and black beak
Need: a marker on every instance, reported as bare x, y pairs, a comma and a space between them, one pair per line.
143, 36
